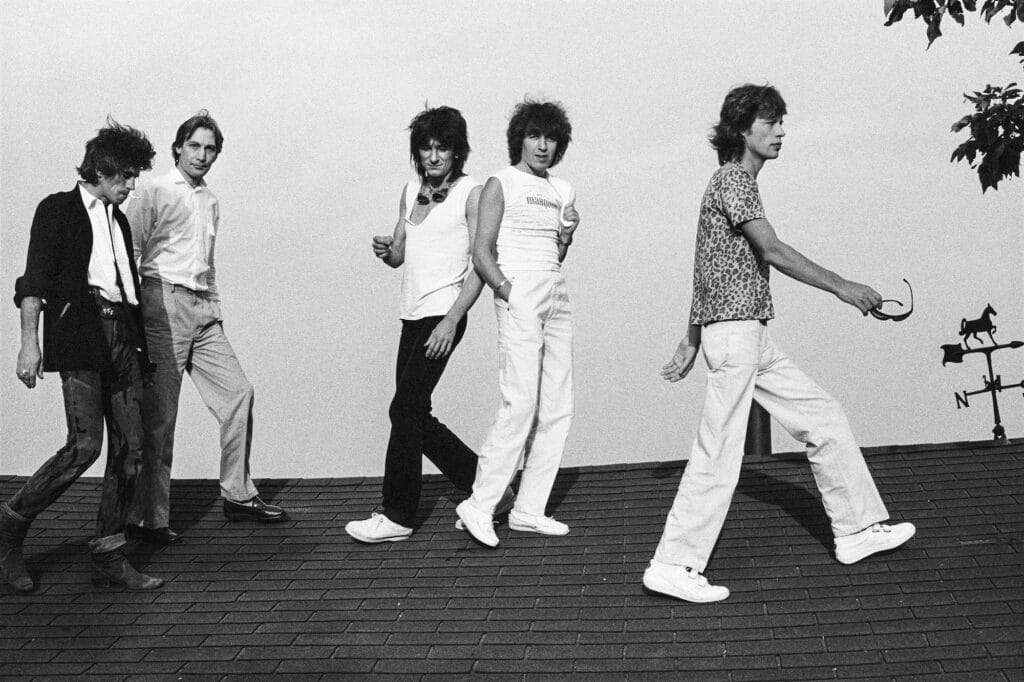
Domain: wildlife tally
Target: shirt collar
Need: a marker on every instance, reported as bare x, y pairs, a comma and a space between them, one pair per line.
91, 201
178, 178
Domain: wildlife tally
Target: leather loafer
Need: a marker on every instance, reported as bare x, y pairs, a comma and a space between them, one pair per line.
152, 536
254, 510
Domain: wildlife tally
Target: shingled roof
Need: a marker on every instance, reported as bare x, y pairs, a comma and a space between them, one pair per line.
303, 598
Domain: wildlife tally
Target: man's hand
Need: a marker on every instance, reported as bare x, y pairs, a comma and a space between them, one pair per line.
382, 245
30, 365
570, 221
681, 363
860, 296
441, 340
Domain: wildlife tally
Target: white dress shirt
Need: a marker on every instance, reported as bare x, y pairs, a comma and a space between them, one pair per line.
109, 255
174, 227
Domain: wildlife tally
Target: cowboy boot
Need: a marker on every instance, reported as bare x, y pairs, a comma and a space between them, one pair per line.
12, 565
112, 568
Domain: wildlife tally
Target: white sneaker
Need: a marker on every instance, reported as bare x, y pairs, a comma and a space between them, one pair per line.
477, 523
682, 583
377, 528
875, 538
545, 525
508, 498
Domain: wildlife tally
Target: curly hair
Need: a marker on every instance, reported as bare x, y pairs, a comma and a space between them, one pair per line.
115, 150
742, 106
532, 117
202, 119
447, 127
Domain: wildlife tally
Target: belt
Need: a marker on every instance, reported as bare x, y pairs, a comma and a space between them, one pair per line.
106, 308
174, 287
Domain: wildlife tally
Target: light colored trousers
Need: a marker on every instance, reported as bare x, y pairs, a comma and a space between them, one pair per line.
183, 332
743, 365
535, 379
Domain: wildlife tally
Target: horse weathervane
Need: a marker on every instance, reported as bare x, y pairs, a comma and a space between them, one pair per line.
994, 382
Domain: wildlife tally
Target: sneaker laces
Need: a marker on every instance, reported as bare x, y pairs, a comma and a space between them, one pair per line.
699, 577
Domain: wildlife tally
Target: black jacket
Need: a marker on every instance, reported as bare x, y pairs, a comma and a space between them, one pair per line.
57, 271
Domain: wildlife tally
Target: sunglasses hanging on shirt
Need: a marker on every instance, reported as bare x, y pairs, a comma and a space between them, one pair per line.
428, 194
880, 314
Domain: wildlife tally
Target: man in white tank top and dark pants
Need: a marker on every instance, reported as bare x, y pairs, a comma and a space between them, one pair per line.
437, 218
526, 224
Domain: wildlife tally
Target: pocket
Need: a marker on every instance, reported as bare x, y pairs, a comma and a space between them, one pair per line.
717, 346
60, 326
501, 303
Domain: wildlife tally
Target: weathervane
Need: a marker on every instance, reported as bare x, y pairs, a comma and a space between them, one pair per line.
994, 382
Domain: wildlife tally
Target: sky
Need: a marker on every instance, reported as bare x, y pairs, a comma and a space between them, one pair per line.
314, 99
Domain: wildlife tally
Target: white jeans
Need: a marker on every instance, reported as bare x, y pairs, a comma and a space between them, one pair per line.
743, 365
535, 378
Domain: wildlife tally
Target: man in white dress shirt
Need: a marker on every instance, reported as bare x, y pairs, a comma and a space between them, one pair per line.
174, 221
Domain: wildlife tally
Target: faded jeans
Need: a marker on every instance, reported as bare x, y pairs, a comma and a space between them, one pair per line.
744, 364
90, 398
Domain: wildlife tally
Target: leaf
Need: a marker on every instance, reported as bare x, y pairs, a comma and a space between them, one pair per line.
889, 4
896, 14
961, 124
956, 11
971, 5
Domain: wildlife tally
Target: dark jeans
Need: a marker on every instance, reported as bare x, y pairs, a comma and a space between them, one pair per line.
415, 431
90, 397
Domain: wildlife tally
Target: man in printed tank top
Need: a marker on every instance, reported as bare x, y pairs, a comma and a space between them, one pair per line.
527, 222
437, 217
731, 307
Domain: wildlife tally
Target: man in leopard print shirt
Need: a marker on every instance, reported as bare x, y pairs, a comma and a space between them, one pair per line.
732, 304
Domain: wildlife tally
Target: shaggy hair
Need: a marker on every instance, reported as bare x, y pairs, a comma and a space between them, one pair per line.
742, 106
116, 149
544, 118
447, 127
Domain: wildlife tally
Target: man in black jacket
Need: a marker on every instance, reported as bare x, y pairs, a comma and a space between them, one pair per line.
80, 273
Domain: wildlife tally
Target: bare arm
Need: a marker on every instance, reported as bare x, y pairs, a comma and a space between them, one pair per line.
485, 245
30, 360
682, 360
442, 338
391, 249
789, 261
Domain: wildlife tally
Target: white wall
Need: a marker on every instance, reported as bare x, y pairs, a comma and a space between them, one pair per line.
314, 99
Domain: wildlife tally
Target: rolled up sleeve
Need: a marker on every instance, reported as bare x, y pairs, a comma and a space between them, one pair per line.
41, 264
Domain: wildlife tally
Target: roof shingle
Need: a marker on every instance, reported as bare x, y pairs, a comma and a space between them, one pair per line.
303, 598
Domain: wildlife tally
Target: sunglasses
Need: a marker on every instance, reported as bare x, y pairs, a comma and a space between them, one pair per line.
880, 314
426, 196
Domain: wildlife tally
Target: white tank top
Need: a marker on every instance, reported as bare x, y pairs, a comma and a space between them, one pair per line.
436, 252
528, 235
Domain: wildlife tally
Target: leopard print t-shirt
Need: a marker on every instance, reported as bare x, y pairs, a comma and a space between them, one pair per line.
729, 281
